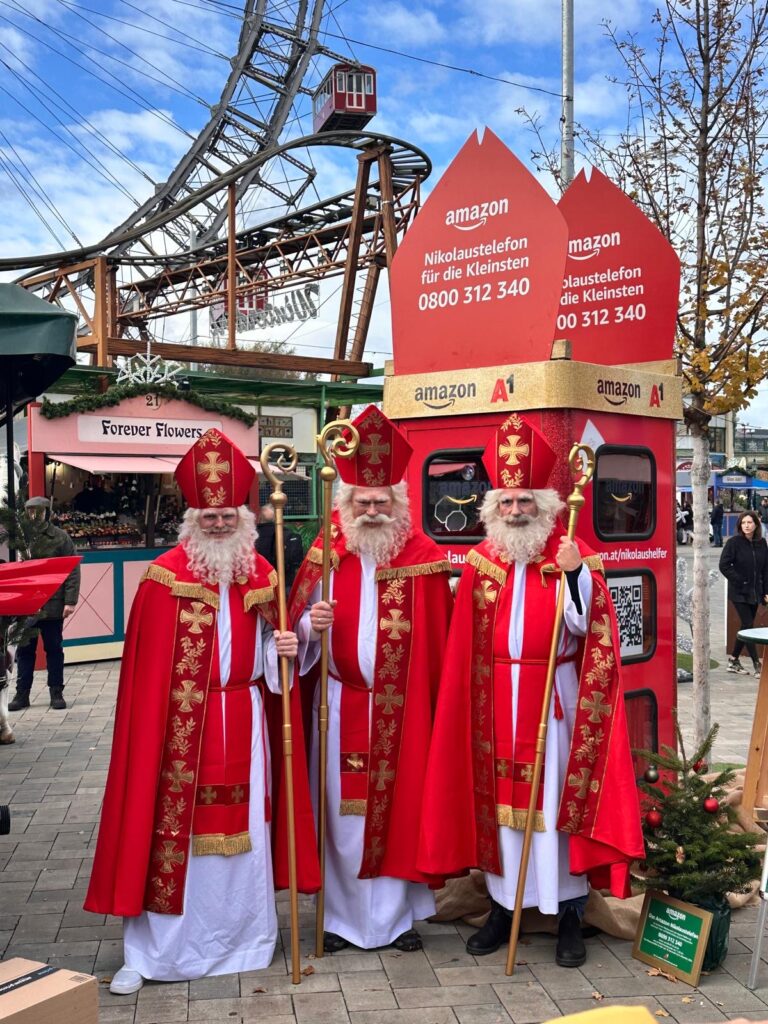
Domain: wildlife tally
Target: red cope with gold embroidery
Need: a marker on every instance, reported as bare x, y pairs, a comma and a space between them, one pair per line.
373, 744
467, 778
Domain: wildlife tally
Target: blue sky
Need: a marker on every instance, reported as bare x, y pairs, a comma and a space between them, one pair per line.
99, 99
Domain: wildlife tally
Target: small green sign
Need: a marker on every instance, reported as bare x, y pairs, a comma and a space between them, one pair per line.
672, 936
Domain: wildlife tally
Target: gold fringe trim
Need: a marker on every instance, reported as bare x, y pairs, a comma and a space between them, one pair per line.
482, 564
179, 589
159, 575
352, 807
260, 596
516, 817
227, 846
196, 590
405, 571
316, 555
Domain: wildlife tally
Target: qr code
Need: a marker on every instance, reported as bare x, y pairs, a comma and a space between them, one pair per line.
627, 596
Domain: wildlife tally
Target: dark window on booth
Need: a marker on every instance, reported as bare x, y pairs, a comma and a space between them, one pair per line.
298, 491
453, 486
633, 593
642, 725
624, 493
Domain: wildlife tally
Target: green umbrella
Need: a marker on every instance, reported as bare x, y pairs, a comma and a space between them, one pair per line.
37, 344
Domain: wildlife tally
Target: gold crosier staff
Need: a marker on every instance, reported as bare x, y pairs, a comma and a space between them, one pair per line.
338, 439
582, 461
285, 462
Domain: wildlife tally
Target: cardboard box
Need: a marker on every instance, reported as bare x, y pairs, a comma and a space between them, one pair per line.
35, 993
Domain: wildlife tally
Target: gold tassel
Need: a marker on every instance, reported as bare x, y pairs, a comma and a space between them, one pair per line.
516, 817
352, 807
484, 565
406, 571
159, 575
226, 846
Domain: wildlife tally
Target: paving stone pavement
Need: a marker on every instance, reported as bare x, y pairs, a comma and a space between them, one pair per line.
53, 777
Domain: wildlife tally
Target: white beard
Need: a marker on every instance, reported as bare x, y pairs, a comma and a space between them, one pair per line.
519, 543
219, 561
382, 542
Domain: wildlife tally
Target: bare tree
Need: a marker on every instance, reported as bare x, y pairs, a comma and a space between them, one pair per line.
694, 157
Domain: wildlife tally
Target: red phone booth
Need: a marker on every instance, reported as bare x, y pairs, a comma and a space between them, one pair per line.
490, 274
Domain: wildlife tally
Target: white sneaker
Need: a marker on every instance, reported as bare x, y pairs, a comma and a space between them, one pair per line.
125, 982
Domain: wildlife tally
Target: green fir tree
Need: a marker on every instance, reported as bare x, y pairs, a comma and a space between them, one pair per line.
692, 853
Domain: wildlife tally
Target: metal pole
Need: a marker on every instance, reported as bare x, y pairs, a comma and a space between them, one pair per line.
566, 141
232, 266
754, 965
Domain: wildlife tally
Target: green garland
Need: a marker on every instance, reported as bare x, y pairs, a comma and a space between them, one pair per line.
117, 393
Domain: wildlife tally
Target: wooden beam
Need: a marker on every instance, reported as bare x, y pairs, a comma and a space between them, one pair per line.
388, 206
253, 359
350, 269
100, 325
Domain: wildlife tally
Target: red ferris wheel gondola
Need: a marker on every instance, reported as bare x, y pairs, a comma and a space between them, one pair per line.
346, 98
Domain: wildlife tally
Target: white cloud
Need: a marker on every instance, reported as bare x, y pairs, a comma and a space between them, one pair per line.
537, 23
399, 26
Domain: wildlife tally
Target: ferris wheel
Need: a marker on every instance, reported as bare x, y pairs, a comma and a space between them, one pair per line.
250, 171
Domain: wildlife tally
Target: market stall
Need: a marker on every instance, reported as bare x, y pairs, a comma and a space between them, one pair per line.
109, 473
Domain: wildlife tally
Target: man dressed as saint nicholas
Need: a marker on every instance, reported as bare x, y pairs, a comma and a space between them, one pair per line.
478, 787
388, 620
193, 835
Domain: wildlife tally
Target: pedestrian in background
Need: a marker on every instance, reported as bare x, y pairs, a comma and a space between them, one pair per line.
744, 563
716, 518
51, 542
292, 546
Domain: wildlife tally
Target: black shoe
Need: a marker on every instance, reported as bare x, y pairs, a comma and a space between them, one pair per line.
333, 943
571, 951
493, 934
408, 942
20, 701
57, 699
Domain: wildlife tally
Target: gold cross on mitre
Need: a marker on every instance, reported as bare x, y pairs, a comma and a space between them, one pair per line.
374, 448
513, 449
213, 467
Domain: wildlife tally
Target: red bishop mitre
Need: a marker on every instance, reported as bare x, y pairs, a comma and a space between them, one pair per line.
382, 454
214, 473
518, 455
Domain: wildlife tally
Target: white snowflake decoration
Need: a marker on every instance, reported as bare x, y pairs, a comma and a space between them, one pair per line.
148, 369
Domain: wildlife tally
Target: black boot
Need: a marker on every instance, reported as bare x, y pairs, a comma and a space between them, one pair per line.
20, 701
571, 951
493, 934
333, 943
57, 699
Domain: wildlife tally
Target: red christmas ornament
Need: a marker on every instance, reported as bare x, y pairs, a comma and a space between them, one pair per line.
711, 805
653, 819
700, 766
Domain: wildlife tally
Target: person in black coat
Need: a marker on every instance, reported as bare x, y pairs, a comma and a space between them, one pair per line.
292, 546
716, 518
744, 563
